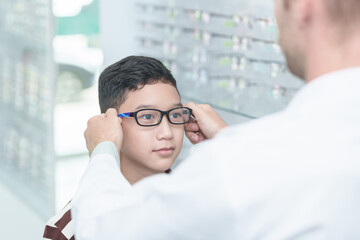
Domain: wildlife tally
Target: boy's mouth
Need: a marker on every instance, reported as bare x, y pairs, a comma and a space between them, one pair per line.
165, 151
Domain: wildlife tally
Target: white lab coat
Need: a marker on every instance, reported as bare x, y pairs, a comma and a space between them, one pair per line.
291, 175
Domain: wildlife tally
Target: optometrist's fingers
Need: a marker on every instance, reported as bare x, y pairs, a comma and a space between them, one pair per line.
195, 137
104, 127
111, 112
207, 119
192, 126
193, 132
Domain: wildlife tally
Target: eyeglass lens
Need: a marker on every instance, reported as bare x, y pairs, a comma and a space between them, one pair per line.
153, 117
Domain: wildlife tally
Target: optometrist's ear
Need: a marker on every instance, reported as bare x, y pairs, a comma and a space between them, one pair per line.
305, 11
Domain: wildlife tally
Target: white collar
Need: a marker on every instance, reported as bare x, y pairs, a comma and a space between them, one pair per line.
331, 88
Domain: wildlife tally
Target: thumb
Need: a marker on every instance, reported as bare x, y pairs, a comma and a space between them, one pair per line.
196, 110
111, 112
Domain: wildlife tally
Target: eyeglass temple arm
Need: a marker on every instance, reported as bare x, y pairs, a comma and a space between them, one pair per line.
128, 114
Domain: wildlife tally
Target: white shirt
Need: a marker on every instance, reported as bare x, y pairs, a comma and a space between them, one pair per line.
292, 175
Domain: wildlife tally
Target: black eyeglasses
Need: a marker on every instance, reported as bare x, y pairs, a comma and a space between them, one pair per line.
153, 117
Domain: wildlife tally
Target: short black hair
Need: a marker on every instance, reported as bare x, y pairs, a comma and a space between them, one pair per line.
130, 74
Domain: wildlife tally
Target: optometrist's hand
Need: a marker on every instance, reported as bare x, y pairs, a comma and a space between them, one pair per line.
102, 128
207, 124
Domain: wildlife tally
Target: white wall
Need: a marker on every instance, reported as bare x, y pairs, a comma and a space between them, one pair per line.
117, 29
17, 219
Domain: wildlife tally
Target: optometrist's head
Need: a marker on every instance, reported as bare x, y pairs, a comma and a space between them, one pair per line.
315, 36
136, 83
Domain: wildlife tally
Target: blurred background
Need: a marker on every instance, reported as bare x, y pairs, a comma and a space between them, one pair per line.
223, 53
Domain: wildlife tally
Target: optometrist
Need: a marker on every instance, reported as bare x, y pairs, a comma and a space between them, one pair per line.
291, 175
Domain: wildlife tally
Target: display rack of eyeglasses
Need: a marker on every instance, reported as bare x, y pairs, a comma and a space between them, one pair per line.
222, 53
26, 101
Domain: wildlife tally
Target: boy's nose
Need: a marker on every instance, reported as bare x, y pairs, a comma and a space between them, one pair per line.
164, 130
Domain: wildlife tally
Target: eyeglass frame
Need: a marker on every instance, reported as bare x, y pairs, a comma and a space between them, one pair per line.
134, 115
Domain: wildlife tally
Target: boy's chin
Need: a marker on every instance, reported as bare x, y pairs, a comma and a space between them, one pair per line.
163, 165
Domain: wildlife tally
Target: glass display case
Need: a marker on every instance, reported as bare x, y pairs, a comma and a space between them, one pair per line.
223, 53
26, 101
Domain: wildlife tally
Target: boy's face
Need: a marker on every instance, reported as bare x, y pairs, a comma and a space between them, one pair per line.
149, 150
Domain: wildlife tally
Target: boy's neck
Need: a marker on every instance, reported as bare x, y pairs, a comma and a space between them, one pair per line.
133, 172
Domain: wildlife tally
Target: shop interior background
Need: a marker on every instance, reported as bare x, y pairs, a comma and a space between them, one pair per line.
51, 52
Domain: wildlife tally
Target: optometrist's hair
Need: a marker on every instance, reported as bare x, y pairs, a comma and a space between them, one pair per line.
130, 74
344, 11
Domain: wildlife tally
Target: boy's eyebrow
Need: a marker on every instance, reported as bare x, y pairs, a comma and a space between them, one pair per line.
152, 106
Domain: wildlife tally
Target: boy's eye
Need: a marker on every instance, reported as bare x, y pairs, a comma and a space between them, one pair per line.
147, 116
175, 115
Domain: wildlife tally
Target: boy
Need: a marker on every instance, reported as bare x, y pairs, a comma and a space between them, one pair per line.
145, 94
